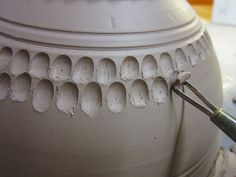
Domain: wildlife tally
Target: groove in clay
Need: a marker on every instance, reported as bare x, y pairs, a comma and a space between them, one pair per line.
21, 88
149, 68
43, 95
84, 71
106, 71
5, 57
129, 69
181, 59
91, 99
5, 81
67, 98
200, 50
20, 62
160, 90
61, 68
39, 65
139, 94
116, 97
166, 64
192, 54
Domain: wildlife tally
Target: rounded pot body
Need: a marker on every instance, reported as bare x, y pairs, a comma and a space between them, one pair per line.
85, 89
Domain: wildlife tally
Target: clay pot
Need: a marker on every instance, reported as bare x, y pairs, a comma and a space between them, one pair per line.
85, 89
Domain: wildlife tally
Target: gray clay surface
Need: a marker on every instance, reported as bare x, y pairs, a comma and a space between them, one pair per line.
85, 89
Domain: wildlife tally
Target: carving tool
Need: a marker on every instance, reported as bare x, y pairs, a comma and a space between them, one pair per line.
218, 116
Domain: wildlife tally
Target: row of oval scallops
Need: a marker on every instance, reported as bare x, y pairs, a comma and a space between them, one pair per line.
69, 76
82, 72
91, 98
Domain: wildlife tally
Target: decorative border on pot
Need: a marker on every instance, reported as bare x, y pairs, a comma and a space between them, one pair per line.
90, 85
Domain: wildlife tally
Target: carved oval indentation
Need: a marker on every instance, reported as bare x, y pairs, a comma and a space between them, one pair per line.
200, 50
181, 59
21, 87
166, 64
5, 81
91, 99
39, 65
43, 95
67, 98
84, 71
5, 57
149, 68
61, 68
207, 36
129, 69
139, 94
192, 54
106, 71
207, 44
20, 62
160, 90
204, 42
116, 97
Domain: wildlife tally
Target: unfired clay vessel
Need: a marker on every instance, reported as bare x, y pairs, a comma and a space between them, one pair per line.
85, 89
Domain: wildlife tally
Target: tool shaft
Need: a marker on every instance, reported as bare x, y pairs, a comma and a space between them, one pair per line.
225, 122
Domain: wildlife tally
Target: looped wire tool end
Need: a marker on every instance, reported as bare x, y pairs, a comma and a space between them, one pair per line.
218, 116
